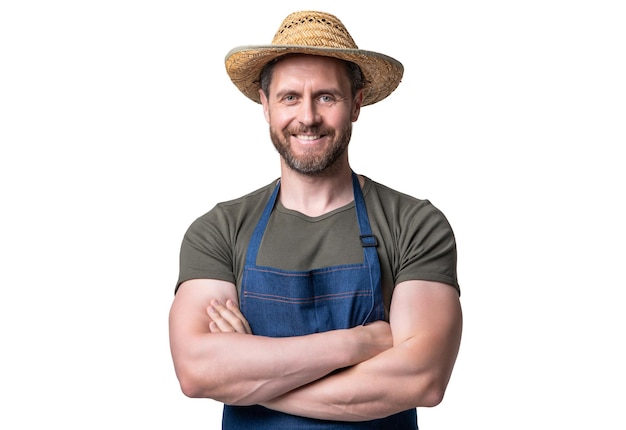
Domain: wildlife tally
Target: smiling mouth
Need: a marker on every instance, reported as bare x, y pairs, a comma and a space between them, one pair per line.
308, 137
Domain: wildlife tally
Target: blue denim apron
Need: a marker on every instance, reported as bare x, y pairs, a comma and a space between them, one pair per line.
281, 303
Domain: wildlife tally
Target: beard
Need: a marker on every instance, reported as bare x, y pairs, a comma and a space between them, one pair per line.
312, 162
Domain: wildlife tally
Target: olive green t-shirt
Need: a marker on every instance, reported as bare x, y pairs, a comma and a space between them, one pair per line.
415, 240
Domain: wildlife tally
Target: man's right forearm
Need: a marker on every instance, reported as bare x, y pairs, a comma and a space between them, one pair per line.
242, 369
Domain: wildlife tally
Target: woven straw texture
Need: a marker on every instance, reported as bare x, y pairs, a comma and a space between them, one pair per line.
314, 33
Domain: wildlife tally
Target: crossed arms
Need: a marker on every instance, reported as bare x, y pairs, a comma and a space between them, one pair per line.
357, 374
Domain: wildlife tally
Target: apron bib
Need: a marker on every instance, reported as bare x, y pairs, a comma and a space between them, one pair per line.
282, 303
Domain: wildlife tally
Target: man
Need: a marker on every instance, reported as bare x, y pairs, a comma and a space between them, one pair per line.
323, 300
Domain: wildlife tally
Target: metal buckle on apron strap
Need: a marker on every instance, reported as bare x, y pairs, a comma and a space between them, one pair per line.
368, 240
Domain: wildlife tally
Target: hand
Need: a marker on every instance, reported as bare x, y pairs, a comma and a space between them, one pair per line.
227, 318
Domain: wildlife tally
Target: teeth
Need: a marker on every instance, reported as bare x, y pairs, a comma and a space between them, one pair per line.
307, 137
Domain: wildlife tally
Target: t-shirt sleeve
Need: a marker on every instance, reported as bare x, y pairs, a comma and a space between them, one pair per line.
205, 251
427, 247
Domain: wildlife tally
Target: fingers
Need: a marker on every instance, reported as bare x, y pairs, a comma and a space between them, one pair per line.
227, 319
231, 306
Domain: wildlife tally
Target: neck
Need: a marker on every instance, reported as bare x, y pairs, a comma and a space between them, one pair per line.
316, 195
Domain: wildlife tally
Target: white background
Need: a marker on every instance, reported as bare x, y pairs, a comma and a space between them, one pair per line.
119, 126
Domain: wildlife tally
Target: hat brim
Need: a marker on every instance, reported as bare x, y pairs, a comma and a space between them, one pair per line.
381, 72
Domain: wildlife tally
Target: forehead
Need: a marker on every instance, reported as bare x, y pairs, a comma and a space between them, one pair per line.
296, 66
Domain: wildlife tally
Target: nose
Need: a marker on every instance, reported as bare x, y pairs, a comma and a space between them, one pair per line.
308, 114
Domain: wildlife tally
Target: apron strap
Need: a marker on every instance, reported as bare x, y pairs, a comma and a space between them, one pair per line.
369, 243
367, 238
257, 235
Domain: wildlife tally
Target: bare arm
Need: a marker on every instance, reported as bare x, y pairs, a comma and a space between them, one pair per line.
229, 365
426, 324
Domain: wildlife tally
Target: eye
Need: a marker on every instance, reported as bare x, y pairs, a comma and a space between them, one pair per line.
289, 99
326, 98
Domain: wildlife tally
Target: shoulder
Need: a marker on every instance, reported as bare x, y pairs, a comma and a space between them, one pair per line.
398, 205
243, 204
419, 242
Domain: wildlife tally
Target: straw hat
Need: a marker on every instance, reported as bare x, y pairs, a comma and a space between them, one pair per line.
315, 33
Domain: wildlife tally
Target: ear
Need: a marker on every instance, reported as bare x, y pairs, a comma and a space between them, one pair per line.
356, 106
265, 104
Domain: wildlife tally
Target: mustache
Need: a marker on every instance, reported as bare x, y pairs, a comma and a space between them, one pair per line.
312, 130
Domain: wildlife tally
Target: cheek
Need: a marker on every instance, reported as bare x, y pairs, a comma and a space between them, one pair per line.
340, 121
278, 118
